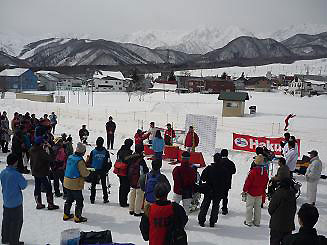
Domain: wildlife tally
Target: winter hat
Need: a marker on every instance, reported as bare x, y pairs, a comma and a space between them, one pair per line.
80, 148
161, 190
99, 142
156, 165
139, 148
313, 152
57, 140
259, 159
128, 142
186, 156
12, 159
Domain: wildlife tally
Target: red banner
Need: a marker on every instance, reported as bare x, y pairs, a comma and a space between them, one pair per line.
250, 143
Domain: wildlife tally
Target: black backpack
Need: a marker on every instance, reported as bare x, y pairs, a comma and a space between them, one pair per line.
95, 237
176, 234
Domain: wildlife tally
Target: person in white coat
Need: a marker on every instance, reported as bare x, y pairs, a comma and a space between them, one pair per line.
152, 132
312, 176
291, 157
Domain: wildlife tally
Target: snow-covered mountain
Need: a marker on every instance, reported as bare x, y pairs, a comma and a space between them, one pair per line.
8, 60
199, 41
73, 52
287, 32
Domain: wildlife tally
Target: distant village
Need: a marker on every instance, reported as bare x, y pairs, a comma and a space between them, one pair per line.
24, 79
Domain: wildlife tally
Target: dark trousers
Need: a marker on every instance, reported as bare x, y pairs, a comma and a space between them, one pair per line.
58, 176
103, 178
110, 141
45, 182
123, 190
20, 164
53, 127
205, 206
276, 237
225, 201
4, 146
72, 196
158, 155
12, 223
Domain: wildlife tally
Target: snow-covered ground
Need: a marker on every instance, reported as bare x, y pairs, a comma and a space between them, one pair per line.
43, 226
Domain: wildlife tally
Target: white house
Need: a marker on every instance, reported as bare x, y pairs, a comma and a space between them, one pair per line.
299, 87
109, 81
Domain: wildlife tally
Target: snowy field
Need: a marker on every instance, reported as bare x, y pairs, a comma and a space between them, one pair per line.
43, 226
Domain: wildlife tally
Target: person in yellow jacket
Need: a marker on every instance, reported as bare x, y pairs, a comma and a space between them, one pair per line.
75, 173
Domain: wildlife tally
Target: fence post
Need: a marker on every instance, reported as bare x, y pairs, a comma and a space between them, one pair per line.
272, 129
278, 128
88, 117
134, 115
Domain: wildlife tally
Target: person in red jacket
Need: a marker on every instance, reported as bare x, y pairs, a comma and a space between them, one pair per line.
290, 116
139, 137
169, 135
163, 215
191, 140
184, 180
254, 187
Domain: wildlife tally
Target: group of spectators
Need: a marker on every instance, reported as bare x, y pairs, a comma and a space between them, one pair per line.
144, 190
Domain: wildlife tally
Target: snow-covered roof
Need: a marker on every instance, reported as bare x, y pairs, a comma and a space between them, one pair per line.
163, 86
46, 72
114, 74
16, 72
316, 82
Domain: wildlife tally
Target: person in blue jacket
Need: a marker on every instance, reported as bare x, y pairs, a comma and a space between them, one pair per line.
12, 182
100, 161
158, 145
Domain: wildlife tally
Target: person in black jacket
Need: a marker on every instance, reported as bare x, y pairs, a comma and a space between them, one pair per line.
307, 216
110, 128
230, 166
124, 187
282, 208
163, 216
216, 178
100, 161
83, 134
17, 149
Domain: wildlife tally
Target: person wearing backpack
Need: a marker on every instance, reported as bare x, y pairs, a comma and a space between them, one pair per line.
149, 181
136, 168
216, 178
184, 180
165, 222
124, 187
99, 160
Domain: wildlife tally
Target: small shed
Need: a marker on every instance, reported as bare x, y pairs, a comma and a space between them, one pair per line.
233, 103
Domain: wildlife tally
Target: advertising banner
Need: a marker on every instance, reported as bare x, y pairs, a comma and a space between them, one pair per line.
249, 143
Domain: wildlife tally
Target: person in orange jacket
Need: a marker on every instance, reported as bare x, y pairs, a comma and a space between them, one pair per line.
191, 140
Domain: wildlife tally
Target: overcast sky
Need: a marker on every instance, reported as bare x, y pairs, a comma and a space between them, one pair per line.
109, 18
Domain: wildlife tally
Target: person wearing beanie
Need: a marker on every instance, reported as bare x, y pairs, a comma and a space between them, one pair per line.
184, 181
136, 168
282, 209
216, 178
40, 162
312, 176
171, 217
254, 189
230, 166
149, 181
124, 187
99, 160
308, 216
75, 173
12, 183
83, 134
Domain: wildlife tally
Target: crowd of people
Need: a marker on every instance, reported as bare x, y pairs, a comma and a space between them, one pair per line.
144, 189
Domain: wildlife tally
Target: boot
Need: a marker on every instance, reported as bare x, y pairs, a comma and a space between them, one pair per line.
67, 217
78, 218
67, 208
51, 205
38, 201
